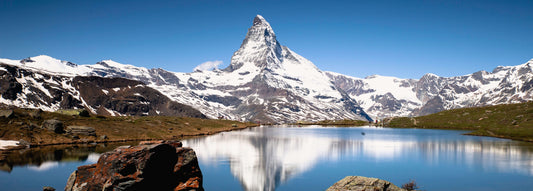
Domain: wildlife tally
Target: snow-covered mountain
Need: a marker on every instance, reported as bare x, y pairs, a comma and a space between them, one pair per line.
268, 82
265, 82
382, 96
30, 87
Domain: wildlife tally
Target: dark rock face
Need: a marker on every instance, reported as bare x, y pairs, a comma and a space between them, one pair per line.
26, 60
350, 86
227, 100
432, 106
129, 97
163, 77
9, 87
148, 166
359, 183
53, 125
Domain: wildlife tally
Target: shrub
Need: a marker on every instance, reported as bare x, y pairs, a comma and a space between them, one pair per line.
411, 185
84, 113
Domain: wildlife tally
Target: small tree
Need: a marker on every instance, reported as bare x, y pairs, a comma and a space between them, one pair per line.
411, 185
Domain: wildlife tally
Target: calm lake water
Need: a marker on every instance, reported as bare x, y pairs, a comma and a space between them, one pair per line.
313, 158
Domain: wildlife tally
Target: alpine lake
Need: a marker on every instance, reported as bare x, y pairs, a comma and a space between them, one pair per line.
312, 158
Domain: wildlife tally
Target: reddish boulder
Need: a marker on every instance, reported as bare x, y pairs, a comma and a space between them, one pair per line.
157, 165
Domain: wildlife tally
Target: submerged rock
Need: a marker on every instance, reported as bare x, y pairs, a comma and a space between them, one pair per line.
360, 183
151, 165
48, 188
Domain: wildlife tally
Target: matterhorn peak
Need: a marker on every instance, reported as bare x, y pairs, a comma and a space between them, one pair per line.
260, 21
261, 31
259, 47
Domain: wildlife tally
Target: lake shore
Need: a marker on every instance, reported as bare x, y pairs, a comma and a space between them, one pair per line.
25, 128
508, 121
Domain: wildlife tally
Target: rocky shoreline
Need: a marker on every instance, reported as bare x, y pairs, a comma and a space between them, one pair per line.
25, 128
151, 165
166, 165
18, 145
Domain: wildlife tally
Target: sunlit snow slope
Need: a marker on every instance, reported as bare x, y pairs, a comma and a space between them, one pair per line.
382, 96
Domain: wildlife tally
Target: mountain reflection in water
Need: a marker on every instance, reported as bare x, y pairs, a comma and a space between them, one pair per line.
263, 157
47, 157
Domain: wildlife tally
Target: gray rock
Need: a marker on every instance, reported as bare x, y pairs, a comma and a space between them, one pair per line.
360, 183
53, 125
24, 143
81, 130
7, 113
29, 126
103, 137
70, 182
35, 114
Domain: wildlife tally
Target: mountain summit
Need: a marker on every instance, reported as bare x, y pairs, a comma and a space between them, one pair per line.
278, 77
260, 46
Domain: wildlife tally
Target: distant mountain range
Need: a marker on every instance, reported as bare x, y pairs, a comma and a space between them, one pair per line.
265, 82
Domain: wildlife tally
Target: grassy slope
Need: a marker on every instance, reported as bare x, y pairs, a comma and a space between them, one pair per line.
115, 128
513, 121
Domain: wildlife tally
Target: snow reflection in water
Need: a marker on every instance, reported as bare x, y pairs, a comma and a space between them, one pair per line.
262, 158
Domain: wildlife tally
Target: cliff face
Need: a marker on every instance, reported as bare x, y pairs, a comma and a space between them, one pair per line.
155, 165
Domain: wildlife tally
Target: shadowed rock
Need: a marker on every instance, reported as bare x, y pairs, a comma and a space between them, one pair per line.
81, 130
159, 165
53, 125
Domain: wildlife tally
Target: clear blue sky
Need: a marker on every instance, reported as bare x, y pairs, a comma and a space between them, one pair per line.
359, 38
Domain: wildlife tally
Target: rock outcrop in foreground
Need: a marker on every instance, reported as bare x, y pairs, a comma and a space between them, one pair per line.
359, 183
153, 165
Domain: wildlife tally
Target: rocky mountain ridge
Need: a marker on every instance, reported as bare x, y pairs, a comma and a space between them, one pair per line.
29, 88
383, 96
268, 82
